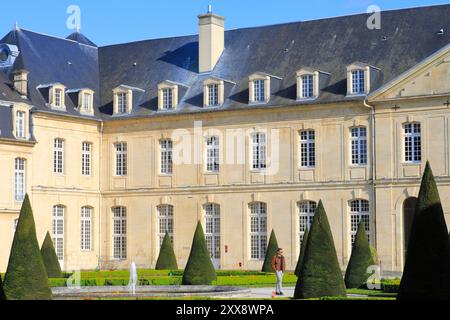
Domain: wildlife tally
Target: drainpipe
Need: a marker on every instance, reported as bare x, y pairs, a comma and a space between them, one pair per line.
373, 164
100, 197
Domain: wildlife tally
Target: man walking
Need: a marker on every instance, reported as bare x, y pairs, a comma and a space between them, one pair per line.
279, 266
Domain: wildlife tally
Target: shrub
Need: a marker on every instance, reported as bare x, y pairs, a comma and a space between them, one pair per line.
26, 277
320, 274
427, 268
271, 251
166, 259
302, 253
356, 274
199, 269
50, 259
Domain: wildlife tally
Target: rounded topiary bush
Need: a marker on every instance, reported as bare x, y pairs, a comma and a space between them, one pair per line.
166, 259
199, 269
50, 258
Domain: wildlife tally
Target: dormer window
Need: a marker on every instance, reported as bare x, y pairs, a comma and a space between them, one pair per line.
57, 94
213, 92
167, 96
87, 102
360, 76
123, 99
358, 82
310, 82
307, 86
260, 87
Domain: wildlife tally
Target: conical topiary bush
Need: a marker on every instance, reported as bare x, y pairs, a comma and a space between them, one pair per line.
26, 277
166, 259
302, 253
199, 269
2, 293
427, 267
320, 273
271, 251
356, 274
50, 258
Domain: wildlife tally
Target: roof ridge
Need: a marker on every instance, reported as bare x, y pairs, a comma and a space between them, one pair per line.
56, 37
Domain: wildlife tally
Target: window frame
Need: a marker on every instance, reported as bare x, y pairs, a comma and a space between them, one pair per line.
307, 90
119, 233
122, 102
306, 211
258, 235
58, 231
167, 98
212, 153
259, 151
165, 223
259, 90
121, 159
166, 157
358, 81
86, 159
20, 125
59, 156
212, 217
358, 146
415, 144
359, 209
86, 228
307, 139
19, 179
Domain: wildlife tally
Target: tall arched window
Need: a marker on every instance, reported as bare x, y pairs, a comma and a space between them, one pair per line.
165, 218
58, 230
119, 233
306, 210
359, 210
212, 230
86, 228
258, 230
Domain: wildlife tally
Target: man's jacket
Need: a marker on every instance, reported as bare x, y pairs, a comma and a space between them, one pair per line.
276, 263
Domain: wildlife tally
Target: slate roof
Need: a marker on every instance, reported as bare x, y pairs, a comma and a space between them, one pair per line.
407, 37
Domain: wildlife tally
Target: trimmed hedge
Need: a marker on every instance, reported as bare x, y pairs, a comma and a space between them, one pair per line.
302, 253
320, 274
167, 259
2, 293
427, 267
271, 251
26, 277
199, 269
50, 258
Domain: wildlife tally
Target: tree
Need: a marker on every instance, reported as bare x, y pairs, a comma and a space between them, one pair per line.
50, 258
271, 251
26, 278
320, 274
199, 269
167, 259
302, 253
356, 274
427, 267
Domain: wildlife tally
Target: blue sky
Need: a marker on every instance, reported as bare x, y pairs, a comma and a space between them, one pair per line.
117, 21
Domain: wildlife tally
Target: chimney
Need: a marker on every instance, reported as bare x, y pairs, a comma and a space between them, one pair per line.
21, 82
211, 40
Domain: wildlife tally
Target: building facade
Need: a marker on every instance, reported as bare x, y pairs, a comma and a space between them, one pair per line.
243, 130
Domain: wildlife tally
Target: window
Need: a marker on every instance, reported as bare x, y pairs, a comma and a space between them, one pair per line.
167, 98
165, 218
58, 98
58, 156
258, 230
358, 81
212, 154
259, 91
359, 145
122, 102
121, 159
58, 231
306, 210
87, 97
119, 233
19, 179
166, 156
307, 149
213, 95
20, 125
212, 230
413, 143
259, 150
15, 223
359, 211
86, 148
86, 228
307, 86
